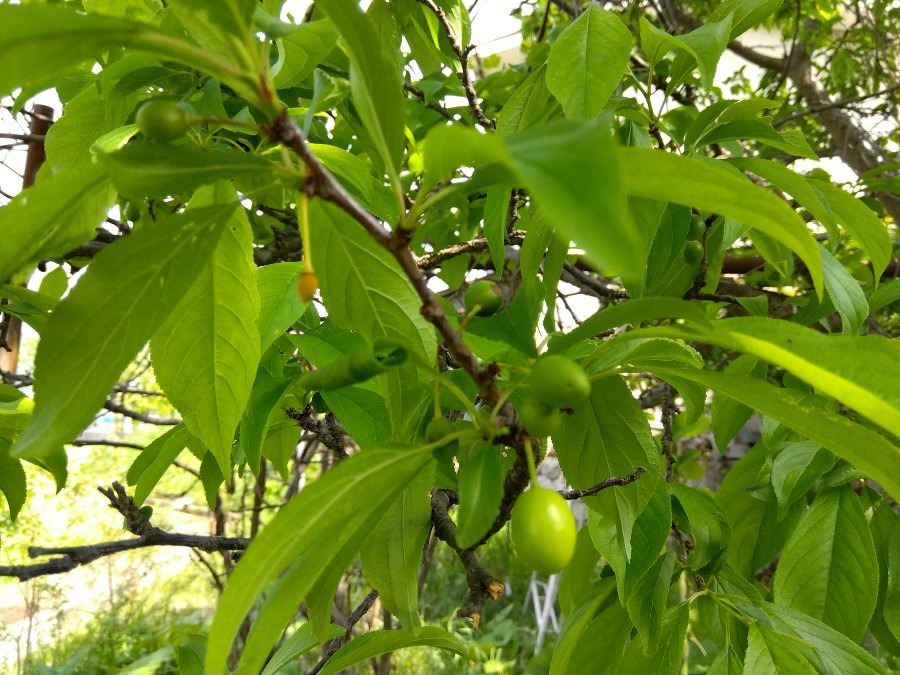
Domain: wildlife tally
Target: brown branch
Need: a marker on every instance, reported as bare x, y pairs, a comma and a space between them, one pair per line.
481, 583
324, 185
147, 418
431, 105
81, 442
435, 258
841, 103
137, 523
593, 284
328, 432
668, 409
347, 625
615, 481
25, 138
462, 54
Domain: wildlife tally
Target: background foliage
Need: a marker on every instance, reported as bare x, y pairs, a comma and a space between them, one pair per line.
670, 229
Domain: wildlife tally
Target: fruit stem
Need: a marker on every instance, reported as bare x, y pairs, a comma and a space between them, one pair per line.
437, 392
532, 471
469, 317
304, 234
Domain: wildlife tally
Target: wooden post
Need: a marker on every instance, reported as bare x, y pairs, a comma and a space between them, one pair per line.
41, 119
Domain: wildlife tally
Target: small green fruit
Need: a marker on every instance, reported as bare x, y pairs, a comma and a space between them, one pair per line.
162, 120
543, 530
558, 381
698, 228
692, 252
483, 294
539, 419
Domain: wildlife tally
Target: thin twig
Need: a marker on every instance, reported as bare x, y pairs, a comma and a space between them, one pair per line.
462, 54
615, 481
668, 408
148, 535
841, 103
348, 625
431, 105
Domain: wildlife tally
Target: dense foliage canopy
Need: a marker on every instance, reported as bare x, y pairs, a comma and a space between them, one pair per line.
294, 220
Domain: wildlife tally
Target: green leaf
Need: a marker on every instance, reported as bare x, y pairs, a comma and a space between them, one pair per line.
594, 634
159, 169
745, 13
115, 307
447, 148
375, 80
301, 51
51, 218
480, 480
516, 324
531, 104
862, 224
728, 415
709, 186
771, 652
577, 575
378, 642
648, 540
496, 213
223, 29
828, 650
320, 529
633, 312
365, 290
794, 184
728, 662
41, 44
587, 61
796, 469
363, 286
758, 130
279, 304
608, 435
206, 354
301, 641
149, 466
886, 294
12, 480
258, 416
698, 514
665, 656
364, 414
828, 568
845, 293
69, 139
392, 554
756, 533
885, 527
891, 606
563, 178
865, 449
861, 372
704, 45
647, 598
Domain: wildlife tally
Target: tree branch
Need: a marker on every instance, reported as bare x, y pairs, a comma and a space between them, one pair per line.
481, 583
462, 54
137, 523
615, 481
